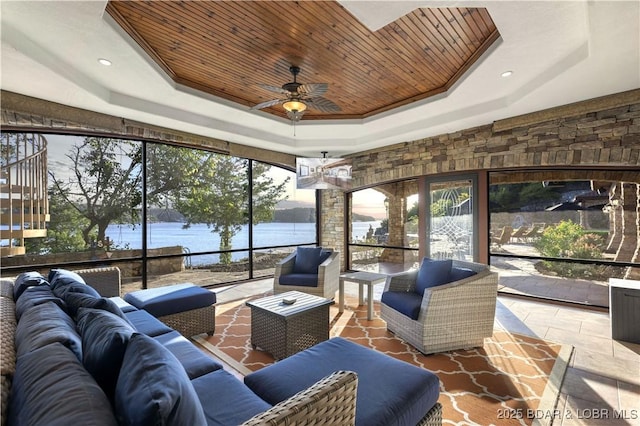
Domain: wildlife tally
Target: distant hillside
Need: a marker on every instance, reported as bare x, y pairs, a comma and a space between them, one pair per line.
295, 215
362, 218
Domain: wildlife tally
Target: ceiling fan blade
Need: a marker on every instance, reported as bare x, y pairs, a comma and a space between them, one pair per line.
267, 104
322, 104
313, 89
274, 89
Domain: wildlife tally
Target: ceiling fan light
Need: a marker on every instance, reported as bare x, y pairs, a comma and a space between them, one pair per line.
294, 105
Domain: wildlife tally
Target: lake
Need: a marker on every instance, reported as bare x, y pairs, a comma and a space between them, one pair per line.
199, 238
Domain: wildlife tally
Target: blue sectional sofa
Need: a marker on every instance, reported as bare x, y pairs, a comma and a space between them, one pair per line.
70, 356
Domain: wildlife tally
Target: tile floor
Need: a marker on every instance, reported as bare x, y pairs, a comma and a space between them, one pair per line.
602, 382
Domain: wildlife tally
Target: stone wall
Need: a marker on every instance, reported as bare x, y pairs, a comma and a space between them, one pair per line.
595, 133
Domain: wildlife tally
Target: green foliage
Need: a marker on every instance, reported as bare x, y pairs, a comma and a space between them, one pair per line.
64, 231
217, 195
569, 240
511, 197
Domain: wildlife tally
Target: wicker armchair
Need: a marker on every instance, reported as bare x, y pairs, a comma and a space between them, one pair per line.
327, 282
106, 280
456, 315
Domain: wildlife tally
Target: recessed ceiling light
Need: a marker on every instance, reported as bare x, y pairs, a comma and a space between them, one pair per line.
104, 62
506, 73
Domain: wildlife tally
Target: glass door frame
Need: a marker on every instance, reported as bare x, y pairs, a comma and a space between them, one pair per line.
425, 210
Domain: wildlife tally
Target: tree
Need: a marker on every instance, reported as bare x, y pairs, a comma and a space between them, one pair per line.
64, 231
218, 197
105, 184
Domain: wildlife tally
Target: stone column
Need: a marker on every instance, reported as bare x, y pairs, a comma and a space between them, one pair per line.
629, 207
332, 222
615, 220
633, 273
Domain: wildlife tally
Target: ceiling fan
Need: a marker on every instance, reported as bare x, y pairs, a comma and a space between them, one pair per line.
299, 97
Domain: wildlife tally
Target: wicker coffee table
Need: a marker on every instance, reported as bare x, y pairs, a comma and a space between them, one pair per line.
283, 330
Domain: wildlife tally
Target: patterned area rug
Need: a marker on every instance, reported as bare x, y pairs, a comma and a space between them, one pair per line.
513, 379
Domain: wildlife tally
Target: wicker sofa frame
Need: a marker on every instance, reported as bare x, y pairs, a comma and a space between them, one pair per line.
328, 276
456, 315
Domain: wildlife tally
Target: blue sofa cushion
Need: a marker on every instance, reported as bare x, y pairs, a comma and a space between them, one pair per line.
432, 273
51, 387
171, 299
304, 280
146, 323
407, 303
194, 361
34, 296
45, 325
26, 280
124, 306
390, 391
460, 274
75, 301
226, 400
153, 388
307, 260
64, 281
104, 340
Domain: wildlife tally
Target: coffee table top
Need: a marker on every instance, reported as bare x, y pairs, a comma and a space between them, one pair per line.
275, 305
362, 277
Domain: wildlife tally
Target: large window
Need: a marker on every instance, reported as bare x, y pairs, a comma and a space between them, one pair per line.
161, 213
562, 234
383, 234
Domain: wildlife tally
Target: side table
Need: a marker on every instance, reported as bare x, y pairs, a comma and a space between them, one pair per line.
361, 278
283, 330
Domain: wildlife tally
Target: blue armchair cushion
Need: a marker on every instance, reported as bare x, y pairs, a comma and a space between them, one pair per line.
407, 303
194, 361
50, 387
226, 400
34, 296
45, 325
167, 300
153, 388
104, 341
304, 280
457, 274
432, 273
390, 391
307, 260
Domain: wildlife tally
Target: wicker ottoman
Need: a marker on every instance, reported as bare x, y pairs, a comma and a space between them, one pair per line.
390, 391
186, 308
283, 330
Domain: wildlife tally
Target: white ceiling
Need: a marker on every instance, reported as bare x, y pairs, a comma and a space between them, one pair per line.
559, 51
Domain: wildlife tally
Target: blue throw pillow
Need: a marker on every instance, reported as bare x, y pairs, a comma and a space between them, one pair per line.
153, 388
307, 260
76, 301
50, 387
63, 282
26, 280
432, 273
46, 324
104, 341
34, 296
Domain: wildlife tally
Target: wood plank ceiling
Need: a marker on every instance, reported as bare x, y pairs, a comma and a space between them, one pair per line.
228, 48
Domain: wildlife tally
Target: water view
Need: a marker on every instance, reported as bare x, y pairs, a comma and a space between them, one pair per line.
199, 238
